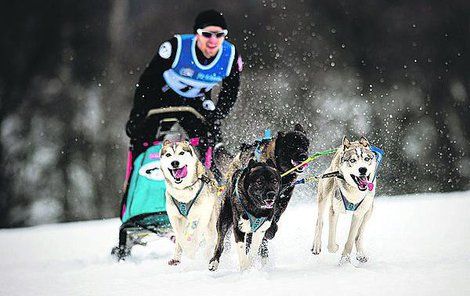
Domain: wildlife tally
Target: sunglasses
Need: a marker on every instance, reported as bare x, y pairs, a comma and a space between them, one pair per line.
209, 34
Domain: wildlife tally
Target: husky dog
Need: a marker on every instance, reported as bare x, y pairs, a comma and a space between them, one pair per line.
191, 199
248, 206
353, 190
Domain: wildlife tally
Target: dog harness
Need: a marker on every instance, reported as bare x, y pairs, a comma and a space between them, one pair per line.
379, 153
255, 223
349, 206
183, 207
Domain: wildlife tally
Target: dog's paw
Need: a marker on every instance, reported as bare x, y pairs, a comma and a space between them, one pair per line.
362, 258
344, 259
244, 266
333, 248
213, 265
173, 262
263, 250
120, 253
271, 232
264, 261
316, 249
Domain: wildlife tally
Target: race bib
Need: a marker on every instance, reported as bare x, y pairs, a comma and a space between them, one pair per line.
187, 87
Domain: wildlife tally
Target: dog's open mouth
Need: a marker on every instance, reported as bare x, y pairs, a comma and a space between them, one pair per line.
296, 163
362, 181
268, 203
179, 173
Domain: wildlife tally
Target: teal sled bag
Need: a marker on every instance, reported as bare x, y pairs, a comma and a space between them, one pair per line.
146, 194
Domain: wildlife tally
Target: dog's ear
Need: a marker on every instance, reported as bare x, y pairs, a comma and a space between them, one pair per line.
271, 163
298, 127
251, 164
191, 150
165, 146
346, 143
280, 135
363, 141
166, 142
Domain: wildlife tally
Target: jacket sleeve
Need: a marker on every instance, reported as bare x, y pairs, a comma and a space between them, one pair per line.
148, 91
229, 90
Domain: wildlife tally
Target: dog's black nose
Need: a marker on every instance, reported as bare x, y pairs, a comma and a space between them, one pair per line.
362, 170
175, 164
271, 195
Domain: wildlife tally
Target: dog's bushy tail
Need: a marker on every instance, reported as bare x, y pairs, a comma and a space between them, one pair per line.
222, 158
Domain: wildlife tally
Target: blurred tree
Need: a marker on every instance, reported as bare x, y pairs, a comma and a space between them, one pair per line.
396, 71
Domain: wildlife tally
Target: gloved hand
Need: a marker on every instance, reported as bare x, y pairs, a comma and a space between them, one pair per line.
130, 129
134, 128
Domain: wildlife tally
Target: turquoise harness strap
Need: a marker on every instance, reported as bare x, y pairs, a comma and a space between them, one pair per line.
258, 152
379, 153
255, 223
349, 206
183, 207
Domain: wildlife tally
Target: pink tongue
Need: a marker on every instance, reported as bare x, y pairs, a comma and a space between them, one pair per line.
181, 173
363, 182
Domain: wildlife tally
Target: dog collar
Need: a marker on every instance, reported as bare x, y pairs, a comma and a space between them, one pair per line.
255, 223
184, 208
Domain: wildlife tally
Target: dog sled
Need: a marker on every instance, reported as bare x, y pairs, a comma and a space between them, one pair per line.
143, 207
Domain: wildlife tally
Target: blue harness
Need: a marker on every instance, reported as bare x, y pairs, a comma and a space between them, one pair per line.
349, 206
255, 223
379, 153
183, 207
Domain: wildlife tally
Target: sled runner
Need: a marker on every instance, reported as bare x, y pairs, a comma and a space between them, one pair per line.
143, 207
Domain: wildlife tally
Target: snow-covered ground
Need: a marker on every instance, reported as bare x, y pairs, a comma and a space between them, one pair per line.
418, 245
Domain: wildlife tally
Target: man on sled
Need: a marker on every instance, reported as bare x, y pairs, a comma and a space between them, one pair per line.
175, 88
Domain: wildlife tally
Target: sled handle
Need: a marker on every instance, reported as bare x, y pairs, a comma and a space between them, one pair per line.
177, 109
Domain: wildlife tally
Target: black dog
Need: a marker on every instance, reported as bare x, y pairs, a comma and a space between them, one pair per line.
249, 207
286, 151
290, 149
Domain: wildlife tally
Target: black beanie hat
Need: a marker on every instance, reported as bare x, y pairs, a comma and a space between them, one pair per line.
209, 18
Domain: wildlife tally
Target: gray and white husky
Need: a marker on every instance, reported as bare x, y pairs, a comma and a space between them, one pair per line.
352, 190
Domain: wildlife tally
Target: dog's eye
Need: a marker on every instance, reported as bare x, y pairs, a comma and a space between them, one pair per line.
367, 158
181, 153
168, 155
352, 160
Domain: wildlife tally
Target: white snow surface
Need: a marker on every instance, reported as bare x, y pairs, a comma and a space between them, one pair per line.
418, 245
